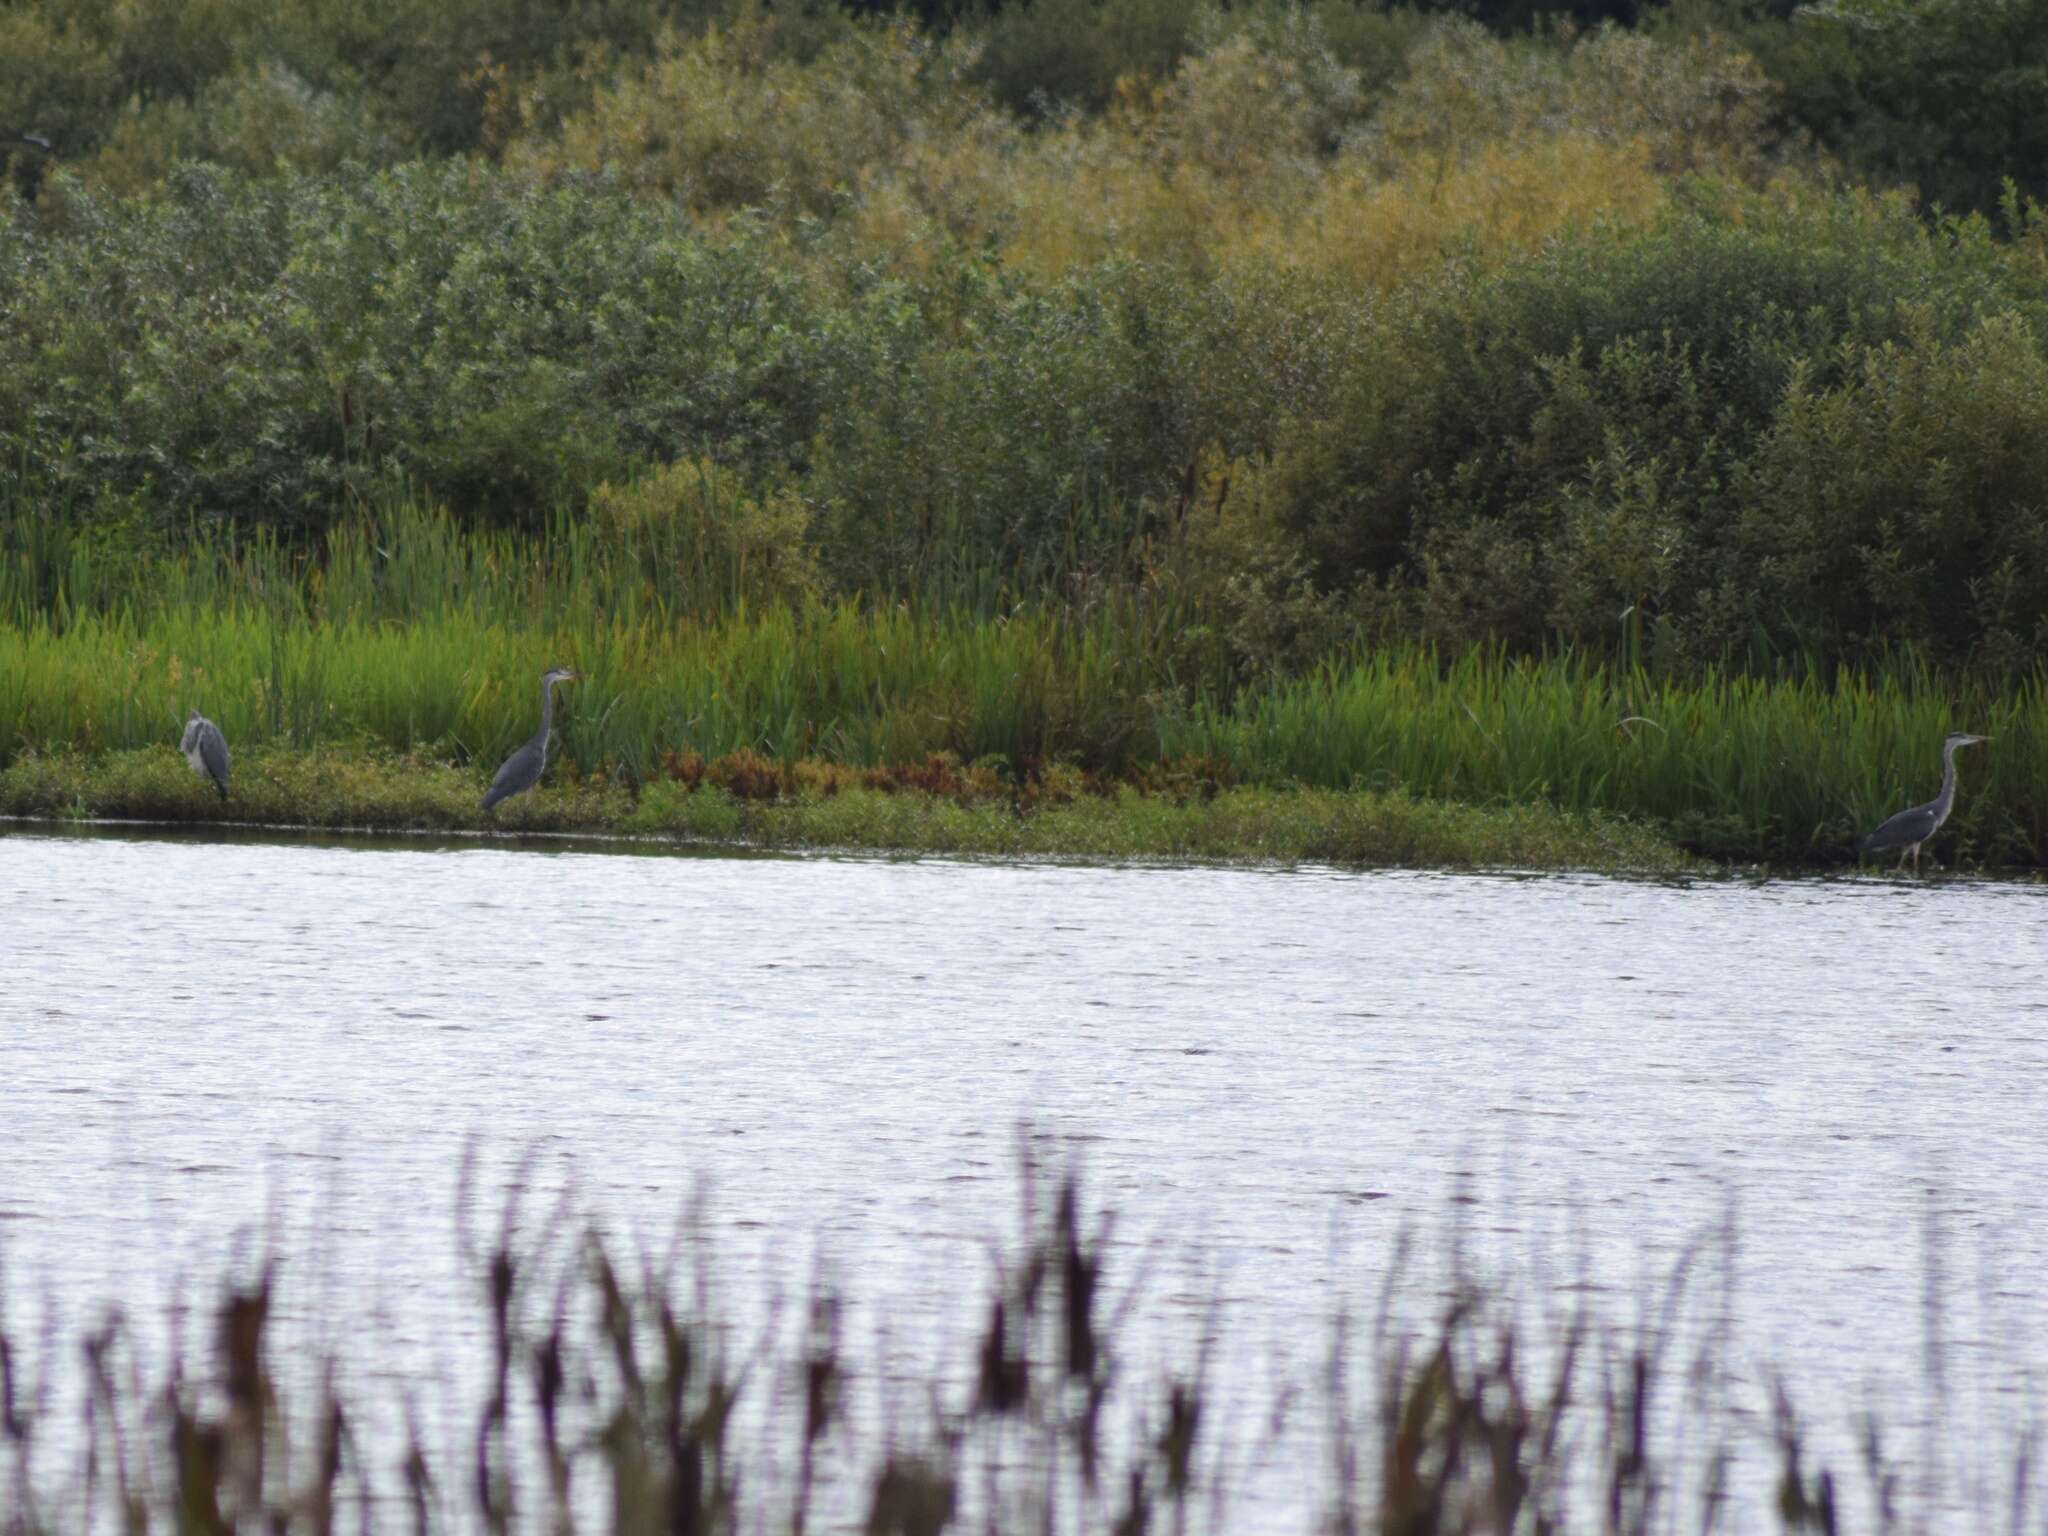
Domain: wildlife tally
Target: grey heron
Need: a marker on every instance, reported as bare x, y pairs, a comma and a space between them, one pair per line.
1909, 829
522, 770
206, 750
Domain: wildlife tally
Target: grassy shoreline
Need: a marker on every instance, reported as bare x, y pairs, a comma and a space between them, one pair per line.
744, 802
772, 705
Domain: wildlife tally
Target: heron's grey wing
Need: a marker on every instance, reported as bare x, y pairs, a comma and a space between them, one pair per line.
1903, 830
520, 771
213, 751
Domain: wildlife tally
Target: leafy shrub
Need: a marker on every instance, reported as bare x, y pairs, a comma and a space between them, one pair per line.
428, 74
998, 442
1025, 428
253, 350
254, 121
726, 120
704, 544
1907, 500
1948, 97
1539, 452
1221, 553
1055, 55
56, 81
1697, 102
1245, 101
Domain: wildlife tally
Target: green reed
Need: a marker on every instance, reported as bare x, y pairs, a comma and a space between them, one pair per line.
1739, 766
851, 684
406, 632
1736, 767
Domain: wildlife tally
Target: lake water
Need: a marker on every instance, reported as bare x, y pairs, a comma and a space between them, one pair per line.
1267, 1074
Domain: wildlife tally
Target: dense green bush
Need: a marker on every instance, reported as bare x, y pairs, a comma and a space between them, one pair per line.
1766, 424
1015, 421
1695, 100
254, 120
742, 117
1054, 55
263, 352
1300, 324
1948, 97
1629, 428
1911, 498
253, 350
432, 72
1050, 57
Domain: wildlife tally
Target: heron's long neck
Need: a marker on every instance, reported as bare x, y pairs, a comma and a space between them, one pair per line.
547, 708
1947, 797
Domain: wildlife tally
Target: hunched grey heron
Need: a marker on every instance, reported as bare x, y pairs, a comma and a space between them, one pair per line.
206, 750
522, 770
1909, 829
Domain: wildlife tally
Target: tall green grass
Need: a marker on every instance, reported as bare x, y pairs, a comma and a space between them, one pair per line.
1788, 769
402, 559
405, 632
864, 686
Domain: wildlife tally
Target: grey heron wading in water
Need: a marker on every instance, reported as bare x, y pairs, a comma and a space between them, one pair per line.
206, 750
523, 768
1909, 829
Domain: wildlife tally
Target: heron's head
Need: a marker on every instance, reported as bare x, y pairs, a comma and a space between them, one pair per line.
1961, 739
192, 717
560, 675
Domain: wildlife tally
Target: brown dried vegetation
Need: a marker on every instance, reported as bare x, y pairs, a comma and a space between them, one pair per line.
611, 1401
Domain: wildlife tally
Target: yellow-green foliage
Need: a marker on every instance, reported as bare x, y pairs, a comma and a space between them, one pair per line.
1247, 161
256, 120
1257, 151
723, 121
700, 534
1368, 229
1699, 103
1230, 561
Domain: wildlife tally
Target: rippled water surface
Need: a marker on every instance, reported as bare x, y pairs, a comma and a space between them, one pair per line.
1267, 1074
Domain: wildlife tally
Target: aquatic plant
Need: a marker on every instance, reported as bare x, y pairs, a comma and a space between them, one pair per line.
607, 1394
1790, 769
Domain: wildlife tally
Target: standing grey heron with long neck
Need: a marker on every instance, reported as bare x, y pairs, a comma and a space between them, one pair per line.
522, 770
1909, 829
206, 750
